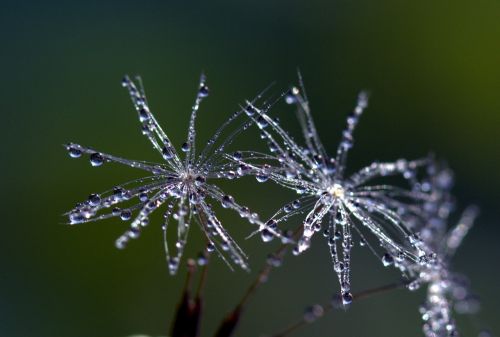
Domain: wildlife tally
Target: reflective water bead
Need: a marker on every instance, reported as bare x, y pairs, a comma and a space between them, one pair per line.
266, 235
173, 264
185, 147
387, 260
125, 215
250, 110
143, 114
291, 95
227, 201
74, 152
202, 259
133, 233
210, 247
346, 298
261, 177
96, 159
94, 200
199, 180
143, 197
237, 155
203, 91
167, 153
262, 122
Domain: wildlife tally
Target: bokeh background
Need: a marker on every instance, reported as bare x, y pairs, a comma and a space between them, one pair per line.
433, 69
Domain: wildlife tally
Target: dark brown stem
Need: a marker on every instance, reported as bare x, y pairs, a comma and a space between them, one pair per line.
303, 321
230, 322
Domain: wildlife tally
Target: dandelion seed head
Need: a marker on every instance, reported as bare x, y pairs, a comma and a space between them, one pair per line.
181, 186
341, 207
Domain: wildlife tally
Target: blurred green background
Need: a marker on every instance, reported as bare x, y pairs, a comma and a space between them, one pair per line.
433, 68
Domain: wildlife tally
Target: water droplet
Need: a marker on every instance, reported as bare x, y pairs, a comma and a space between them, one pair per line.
76, 218
167, 153
96, 159
144, 222
133, 233
414, 285
74, 152
243, 169
210, 247
125, 215
125, 82
202, 259
346, 298
143, 114
173, 264
291, 95
237, 155
185, 147
262, 122
250, 110
94, 200
227, 201
203, 91
199, 180
387, 260
143, 197
261, 177
266, 235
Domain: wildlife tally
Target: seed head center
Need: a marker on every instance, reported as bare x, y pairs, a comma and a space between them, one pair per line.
337, 191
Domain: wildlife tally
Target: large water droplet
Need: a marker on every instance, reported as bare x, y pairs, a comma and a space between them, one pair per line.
74, 152
203, 91
291, 95
227, 201
143, 114
237, 155
185, 147
94, 200
262, 122
261, 177
387, 260
346, 298
125, 215
96, 159
266, 235
250, 110
167, 153
210, 247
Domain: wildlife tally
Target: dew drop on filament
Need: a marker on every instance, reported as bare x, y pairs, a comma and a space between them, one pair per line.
387, 260
96, 159
346, 298
74, 152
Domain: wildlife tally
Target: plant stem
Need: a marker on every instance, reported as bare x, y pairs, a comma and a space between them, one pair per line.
337, 303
